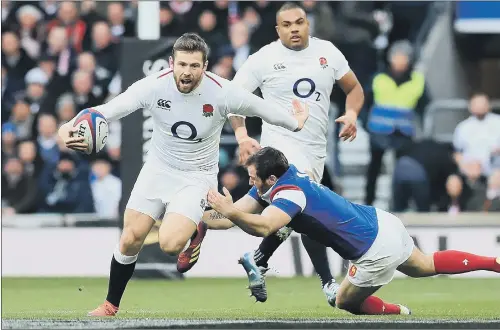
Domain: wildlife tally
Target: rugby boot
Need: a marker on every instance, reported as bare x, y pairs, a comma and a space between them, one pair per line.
188, 258
105, 309
404, 310
330, 290
256, 276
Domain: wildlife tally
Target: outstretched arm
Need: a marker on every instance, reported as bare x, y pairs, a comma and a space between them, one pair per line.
218, 221
271, 220
241, 102
134, 98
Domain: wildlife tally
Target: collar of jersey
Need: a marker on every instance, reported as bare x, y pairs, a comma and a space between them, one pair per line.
296, 51
267, 196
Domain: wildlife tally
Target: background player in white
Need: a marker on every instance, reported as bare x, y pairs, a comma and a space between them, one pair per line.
189, 106
295, 66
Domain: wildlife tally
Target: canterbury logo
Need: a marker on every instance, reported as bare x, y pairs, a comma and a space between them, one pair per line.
163, 104
279, 66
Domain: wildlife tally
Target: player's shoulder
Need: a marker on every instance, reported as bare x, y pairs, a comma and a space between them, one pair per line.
265, 53
216, 80
155, 79
290, 190
322, 45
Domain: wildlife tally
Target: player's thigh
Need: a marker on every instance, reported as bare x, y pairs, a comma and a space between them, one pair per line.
418, 264
183, 214
136, 226
391, 248
351, 296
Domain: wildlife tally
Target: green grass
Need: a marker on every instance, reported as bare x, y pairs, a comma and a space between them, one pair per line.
293, 298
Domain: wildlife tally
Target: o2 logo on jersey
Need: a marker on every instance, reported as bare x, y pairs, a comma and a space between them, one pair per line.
310, 91
191, 137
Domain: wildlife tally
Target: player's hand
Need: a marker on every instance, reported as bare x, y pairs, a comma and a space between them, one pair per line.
220, 203
349, 130
66, 133
247, 147
301, 113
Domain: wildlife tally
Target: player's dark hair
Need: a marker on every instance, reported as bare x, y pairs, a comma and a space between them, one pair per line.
191, 42
287, 6
268, 161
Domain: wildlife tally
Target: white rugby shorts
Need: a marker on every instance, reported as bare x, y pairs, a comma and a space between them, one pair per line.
299, 156
392, 247
161, 190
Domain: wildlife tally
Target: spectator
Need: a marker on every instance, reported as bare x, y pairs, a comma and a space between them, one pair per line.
232, 182
207, 23
47, 139
11, 91
82, 90
65, 109
23, 120
36, 79
59, 48
106, 190
320, 17
56, 85
29, 156
30, 29
15, 59
420, 175
492, 202
477, 142
49, 8
394, 99
170, 26
120, 26
240, 37
75, 28
19, 189
8, 141
65, 188
106, 55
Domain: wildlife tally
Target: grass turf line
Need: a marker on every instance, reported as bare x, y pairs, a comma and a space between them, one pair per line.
209, 299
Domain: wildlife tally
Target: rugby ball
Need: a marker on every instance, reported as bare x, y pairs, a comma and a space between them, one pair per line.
92, 126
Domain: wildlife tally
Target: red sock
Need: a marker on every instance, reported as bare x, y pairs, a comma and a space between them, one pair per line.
376, 306
457, 262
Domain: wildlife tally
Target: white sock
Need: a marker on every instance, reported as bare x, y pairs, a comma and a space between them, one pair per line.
123, 259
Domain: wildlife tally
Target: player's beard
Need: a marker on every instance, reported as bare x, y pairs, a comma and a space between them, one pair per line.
186, 85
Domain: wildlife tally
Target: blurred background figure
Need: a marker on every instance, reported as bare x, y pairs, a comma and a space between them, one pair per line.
65, 187
396, 100
19, 189
106, 189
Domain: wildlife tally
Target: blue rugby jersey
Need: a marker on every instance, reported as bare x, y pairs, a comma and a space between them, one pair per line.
321, 214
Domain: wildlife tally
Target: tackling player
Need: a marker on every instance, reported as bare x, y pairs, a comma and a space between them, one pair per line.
295, 66
376, 242
189, 107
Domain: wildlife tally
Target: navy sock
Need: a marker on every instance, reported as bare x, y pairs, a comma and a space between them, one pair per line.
319, 258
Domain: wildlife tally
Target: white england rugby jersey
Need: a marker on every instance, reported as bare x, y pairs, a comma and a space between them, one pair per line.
187, 127
283, 74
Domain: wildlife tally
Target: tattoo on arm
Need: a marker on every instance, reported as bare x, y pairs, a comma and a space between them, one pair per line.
216, 216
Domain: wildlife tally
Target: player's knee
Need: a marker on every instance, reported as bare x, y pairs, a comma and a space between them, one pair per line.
130, 241
172, 246
341, 302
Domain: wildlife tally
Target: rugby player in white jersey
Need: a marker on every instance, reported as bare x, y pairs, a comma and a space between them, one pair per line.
295, 66
189, 107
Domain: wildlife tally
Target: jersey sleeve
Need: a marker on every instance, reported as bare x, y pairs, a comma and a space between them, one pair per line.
254, 194
249, 75
238, 101
340, 64
136, 97
290, 200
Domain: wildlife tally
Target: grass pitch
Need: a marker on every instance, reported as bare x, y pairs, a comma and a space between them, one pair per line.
431, 299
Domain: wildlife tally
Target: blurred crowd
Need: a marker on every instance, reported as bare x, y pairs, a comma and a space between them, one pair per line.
61, 57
